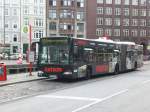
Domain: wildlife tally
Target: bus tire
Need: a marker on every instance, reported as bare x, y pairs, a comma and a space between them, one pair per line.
116, 71
135, 65
88, 74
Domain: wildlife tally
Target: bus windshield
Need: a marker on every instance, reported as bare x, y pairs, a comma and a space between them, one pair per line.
54, 54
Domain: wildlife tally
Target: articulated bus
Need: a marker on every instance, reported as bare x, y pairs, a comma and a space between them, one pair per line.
63, 57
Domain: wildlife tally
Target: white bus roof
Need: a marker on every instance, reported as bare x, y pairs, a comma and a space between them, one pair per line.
98, 40
126, 43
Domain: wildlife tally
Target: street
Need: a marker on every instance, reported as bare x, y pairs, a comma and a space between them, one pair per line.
126, 92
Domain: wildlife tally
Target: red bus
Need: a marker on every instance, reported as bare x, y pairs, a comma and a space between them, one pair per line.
63, 57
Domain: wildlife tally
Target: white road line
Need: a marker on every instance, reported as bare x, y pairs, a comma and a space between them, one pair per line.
86, 106
94, 100
69, 97
100, 100
147, 81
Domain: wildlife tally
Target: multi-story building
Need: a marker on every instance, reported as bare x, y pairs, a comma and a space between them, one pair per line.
127, 20
33, 13
10, 24
15, 18
66, 17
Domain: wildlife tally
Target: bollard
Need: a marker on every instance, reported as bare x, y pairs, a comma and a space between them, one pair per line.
3, 74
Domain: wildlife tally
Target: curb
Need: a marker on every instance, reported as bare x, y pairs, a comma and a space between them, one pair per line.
11, 83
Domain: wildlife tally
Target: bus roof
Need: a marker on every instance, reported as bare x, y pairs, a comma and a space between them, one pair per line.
97, 40
126, 43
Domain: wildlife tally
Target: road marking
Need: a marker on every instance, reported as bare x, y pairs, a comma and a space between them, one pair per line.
147, 81
94, 100
100, 100
69, 97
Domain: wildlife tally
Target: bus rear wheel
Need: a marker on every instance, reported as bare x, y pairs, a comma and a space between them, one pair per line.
116, 71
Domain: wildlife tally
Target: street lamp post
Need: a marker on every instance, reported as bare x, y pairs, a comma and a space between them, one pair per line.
4, 21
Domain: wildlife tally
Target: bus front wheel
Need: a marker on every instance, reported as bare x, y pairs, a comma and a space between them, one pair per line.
88, 74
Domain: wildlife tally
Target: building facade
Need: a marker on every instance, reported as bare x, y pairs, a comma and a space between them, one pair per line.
10, 25
15, 18
33, 13
66, 17
127, 20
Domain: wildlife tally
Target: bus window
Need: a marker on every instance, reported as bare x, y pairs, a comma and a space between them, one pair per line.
88, 54
55, 55
44, 55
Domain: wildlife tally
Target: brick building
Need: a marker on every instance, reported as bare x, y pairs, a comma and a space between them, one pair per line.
127, 20
66, 17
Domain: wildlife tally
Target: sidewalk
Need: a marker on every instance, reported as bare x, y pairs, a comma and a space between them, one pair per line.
20, 78
24, 77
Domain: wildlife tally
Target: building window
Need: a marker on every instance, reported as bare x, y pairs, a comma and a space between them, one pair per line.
52, 14
125, 22
108, 21
14, 12
26, 21
143, 12
38, 22
134, 33
143, 33
80, 27
99, 32
6, 25
41, 11
117, 21
35, 10
108, 11
142, 22
99, 10
15, 26
66, 26
142, 2
134, 2
80, 15
126, 11
52, 2
117, 1
52, 26
15, 49
15, 38
26, 10
134, 12
134, 22
126, 2
80, 3
38, 34
108, 32
108, 1
6, 12
126, 32
100, 1
117, 11
116, 32
66, 2
99, 21
66, 14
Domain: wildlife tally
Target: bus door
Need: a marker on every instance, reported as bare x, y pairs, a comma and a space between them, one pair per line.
123, 56
115, 58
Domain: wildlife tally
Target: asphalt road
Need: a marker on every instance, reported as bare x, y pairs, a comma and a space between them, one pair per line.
128, 92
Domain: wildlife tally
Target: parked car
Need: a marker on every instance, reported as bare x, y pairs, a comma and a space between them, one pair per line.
14, 56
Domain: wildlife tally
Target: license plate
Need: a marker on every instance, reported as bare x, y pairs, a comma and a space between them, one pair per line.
53, 76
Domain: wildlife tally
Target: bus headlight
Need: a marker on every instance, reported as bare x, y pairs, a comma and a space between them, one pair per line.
75, 70
67, 73
40, 73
